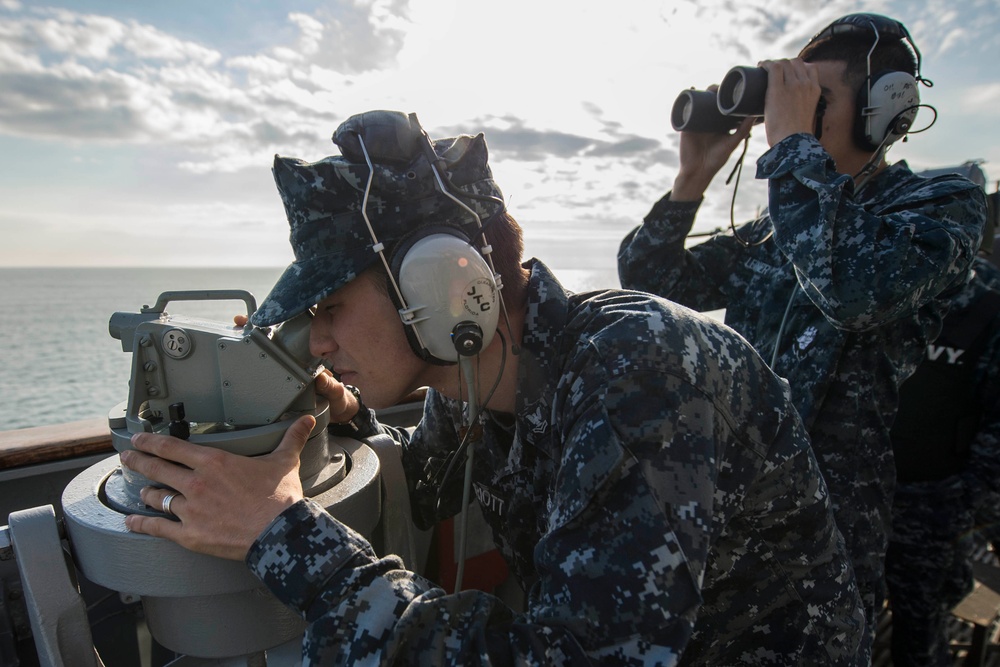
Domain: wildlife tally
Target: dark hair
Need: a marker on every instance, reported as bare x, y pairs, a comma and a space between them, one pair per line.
505, 236
891, 53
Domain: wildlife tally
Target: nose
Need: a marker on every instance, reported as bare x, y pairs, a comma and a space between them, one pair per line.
321, 340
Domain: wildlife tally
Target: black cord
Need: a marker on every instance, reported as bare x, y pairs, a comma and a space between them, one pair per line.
928, 126
737, 172
459, 453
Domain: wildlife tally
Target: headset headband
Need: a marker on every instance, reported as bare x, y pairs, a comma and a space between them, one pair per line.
861, 23
866, 24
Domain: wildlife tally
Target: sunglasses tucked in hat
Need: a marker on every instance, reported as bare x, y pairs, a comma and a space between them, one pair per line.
323, 202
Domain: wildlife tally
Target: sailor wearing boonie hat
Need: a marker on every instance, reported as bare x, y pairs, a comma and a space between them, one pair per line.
645, 476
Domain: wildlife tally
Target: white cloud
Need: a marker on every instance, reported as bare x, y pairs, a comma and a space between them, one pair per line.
14, 59
91, 37
983, 96
148, 43
263, 66
574, 97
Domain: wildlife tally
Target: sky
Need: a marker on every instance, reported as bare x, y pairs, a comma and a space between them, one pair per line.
143, 133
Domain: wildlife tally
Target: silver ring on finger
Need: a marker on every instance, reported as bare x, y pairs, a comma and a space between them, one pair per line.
167, 499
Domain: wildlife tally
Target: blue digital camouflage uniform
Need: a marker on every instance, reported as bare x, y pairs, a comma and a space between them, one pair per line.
850, 280
656, 496
954, 432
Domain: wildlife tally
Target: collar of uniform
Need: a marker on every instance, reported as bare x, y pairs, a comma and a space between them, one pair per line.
540, 366
886, 182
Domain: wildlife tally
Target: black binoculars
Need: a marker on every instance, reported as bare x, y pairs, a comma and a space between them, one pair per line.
740, 94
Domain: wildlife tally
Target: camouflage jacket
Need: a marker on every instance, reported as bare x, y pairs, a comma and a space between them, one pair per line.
660, 505
838, 290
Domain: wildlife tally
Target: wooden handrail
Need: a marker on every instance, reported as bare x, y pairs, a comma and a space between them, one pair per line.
44, 444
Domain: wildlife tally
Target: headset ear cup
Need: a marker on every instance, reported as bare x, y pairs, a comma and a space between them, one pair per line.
861, 138
411, 334
887, 113
395, 263
445, 282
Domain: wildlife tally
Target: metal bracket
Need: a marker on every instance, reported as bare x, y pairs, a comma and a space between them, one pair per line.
56, 610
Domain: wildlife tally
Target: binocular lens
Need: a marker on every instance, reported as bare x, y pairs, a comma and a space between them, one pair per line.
698, 111
739, 88
742, 92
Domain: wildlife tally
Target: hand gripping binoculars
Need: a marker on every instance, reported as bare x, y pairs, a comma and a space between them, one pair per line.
740, 94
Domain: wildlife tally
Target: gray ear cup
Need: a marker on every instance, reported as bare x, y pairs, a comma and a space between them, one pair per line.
886, 109
450, 293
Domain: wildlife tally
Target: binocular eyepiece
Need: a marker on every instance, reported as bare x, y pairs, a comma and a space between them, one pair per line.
740, 94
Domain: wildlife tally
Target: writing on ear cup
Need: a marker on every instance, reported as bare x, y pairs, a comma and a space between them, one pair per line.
887, 109
447, 287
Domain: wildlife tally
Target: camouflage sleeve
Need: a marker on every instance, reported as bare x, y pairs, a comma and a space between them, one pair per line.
918, 246
361, 609
364, 425
654, 258
650, 255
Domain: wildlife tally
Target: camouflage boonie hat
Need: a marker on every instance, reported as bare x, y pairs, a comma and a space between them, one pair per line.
323, 202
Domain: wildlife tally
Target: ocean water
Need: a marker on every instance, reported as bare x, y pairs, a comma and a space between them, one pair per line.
59, 363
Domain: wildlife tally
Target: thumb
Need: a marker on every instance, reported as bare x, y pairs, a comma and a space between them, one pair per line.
295, 437
325, 383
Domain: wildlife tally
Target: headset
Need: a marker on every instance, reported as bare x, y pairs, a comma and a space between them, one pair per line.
889, 100
446, 290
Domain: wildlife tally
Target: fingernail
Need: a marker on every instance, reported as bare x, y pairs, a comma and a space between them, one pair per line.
125, 456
